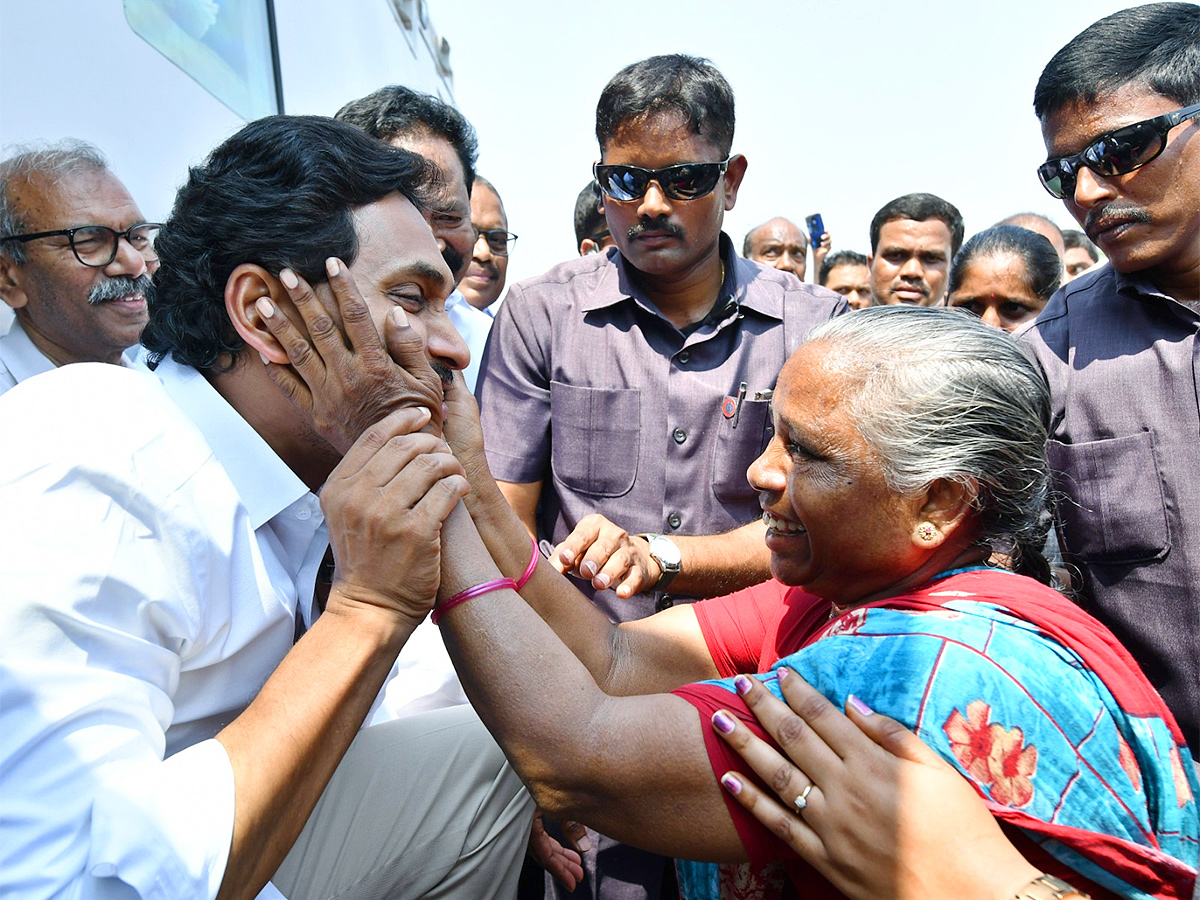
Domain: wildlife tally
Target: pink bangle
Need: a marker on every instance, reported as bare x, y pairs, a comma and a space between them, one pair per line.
445, 606
529, 569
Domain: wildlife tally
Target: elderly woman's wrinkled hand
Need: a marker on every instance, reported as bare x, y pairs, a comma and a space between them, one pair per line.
345, 378
866, 802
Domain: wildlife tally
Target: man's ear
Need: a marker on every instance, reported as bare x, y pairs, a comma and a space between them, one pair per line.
947, 506
247, 284
11, 290
734, 173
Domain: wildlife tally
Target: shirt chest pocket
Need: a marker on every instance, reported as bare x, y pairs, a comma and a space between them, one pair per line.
597, 438
1111, 503
736, 448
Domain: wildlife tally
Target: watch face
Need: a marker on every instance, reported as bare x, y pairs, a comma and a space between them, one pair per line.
666, 552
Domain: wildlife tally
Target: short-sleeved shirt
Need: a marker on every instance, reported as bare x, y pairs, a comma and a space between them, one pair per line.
587, 388
1121, 360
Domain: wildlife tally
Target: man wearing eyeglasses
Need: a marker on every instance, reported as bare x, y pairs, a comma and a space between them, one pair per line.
1120, 113
484, 280
76, 256
624, 394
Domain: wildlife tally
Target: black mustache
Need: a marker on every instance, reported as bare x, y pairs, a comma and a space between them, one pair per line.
660, 224
1114, 211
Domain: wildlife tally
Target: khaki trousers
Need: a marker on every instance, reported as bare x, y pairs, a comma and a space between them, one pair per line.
425, 806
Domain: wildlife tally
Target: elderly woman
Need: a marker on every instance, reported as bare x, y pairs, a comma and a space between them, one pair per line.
907, 448
1004, 275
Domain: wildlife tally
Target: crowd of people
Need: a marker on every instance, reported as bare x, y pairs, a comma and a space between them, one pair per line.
337, 567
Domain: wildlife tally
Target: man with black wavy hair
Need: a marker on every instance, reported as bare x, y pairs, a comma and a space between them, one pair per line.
1119, 107
185, 668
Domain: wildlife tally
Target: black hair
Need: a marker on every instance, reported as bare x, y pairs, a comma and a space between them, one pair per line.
687, 86
589, 220
838, 258
1043, 268
1156, 45
920, 207
397, 111
1073, 237
279, 193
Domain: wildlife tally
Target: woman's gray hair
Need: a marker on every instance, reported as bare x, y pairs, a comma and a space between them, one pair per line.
51, 161
939, 395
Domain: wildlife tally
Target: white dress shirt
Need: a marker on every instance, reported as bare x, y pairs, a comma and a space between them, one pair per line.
473, 325
155, 552
21, 359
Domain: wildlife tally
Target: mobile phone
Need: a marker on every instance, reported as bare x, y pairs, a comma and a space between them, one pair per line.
816, 228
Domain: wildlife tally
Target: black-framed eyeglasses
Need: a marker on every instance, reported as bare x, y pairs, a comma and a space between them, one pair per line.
96, 245
1118, 152
498, 240
687, 181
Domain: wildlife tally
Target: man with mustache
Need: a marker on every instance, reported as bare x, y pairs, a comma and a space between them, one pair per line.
76, 256
913, 240
1119, 108
624, 394
190, 636
422, 123
484, 280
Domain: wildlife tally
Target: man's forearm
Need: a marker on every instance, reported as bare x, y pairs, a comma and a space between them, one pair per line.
716, 564
286, 745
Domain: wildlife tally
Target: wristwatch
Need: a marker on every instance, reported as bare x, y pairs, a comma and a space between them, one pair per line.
1047, 887
666, 553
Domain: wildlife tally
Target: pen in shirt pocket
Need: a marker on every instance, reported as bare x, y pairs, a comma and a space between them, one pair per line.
731, 407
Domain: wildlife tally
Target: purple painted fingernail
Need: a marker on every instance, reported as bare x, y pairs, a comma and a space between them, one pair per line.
782, 674
723, 722
742, 683
731, 783
859, 707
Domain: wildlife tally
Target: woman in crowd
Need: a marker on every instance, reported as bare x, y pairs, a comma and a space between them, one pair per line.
1004, 275
907, 450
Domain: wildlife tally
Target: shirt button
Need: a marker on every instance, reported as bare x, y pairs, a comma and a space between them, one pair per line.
666, 601
674, 520
683, 358
680, 435
303, 513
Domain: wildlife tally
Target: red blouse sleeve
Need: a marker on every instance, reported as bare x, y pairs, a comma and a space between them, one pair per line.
738, 626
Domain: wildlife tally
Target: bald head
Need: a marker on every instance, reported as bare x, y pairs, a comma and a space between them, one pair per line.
778, 242
1041, 225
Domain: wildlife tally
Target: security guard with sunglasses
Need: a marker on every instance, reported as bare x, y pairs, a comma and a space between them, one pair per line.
1118, 344
624, 394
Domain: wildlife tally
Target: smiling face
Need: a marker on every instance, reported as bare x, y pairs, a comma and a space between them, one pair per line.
911, 262
657, 235
833, 525
52, 289
398, 264
1146, 220
484, 281
996, 288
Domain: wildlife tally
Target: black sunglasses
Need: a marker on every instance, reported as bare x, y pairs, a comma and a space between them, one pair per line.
96, 245
1116, 153
688, 181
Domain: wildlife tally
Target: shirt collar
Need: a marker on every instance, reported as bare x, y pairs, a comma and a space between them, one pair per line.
1139, 286
262, 480
617, 284
20, 356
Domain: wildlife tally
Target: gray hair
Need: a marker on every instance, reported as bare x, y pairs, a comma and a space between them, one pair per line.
939, 395
51, 161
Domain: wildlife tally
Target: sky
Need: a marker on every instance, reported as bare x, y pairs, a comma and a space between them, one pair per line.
840, 106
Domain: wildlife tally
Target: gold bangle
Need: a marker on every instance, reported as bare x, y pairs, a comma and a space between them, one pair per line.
1047, 887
